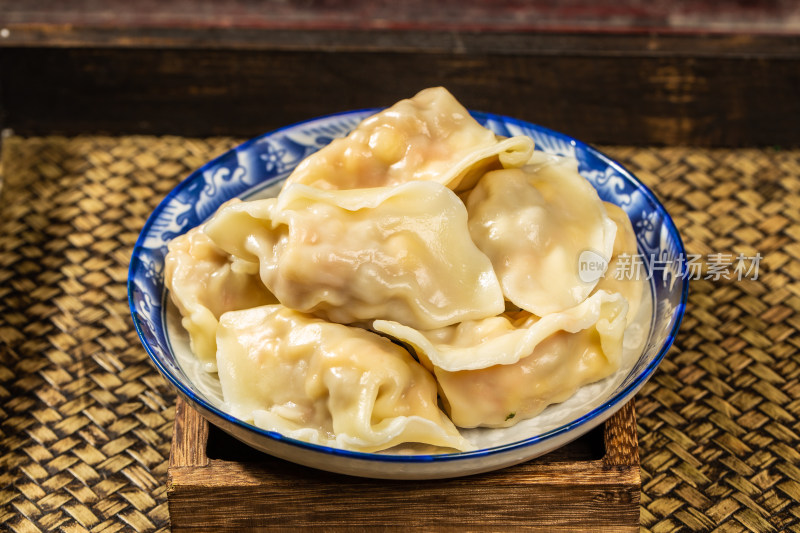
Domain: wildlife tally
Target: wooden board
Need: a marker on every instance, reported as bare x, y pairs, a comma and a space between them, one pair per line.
219, 484
621, 90
126, 21
702, 73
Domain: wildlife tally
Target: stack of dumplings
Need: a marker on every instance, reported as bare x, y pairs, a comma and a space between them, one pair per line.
415, 277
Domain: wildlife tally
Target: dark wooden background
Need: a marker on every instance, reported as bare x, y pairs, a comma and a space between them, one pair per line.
706, 73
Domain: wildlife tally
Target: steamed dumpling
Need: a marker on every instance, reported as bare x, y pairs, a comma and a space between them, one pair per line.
398, 253
327, 383
204, 282
434, 232
500, 370
428, 137
534, 223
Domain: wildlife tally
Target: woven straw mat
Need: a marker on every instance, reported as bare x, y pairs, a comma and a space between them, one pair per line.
85, 420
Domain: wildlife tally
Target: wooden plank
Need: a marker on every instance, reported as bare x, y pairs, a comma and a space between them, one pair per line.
188, 429
439, 507
613, 99
411, 40
29, 21
564, 491
618, 72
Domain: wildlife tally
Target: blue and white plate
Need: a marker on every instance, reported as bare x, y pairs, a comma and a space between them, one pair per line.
257, 168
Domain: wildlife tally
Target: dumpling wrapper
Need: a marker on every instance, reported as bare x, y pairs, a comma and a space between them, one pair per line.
428, 137
204, 282
327, 383
501, 370
397, 253
534, 223
502, 339
625, 273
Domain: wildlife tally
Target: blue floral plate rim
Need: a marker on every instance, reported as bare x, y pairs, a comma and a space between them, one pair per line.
489, 120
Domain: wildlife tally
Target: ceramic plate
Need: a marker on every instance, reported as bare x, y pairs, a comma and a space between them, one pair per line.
258, 167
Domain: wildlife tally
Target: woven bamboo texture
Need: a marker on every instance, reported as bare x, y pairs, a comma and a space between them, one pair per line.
85, 420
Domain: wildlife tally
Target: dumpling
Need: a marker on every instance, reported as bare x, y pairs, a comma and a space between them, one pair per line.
398, 253
625, 273
534, 223
327, 383
204, 282
500, 370
428, 137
